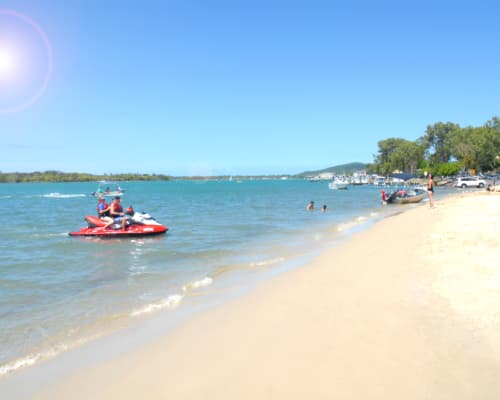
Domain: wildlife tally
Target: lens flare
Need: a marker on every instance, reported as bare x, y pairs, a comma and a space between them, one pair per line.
10, 63
7, 63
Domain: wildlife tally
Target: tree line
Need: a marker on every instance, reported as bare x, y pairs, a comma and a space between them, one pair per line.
57, 176
444, 149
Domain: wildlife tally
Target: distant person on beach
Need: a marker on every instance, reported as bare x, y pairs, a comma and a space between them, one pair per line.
310, 206
323, 208
430, 190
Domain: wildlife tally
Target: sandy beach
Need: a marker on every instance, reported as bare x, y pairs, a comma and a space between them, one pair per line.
409, 309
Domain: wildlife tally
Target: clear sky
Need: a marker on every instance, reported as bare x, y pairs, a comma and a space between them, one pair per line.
187, 87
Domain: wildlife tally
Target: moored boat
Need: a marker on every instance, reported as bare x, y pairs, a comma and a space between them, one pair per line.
338, 183
402, 197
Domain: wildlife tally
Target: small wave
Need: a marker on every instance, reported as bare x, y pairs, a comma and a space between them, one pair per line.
32, 359
6, 197
207, 281
49, 235
351, 224
346, 226
265, 263
23, 362
57, 195
170, 303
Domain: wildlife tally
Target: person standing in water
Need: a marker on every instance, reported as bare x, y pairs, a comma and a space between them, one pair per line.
310, 206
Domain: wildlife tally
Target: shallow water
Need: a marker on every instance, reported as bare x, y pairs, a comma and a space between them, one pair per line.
57, 292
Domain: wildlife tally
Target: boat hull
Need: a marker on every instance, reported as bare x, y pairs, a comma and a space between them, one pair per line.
337, 186
140, 224
108, 194
131, 231
408, 200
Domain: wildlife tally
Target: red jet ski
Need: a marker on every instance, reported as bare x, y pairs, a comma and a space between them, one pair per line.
139, 224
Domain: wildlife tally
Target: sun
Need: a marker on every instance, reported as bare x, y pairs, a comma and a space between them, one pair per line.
7, 63
25, 61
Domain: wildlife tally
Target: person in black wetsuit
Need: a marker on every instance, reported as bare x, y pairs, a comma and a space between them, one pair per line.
430, 190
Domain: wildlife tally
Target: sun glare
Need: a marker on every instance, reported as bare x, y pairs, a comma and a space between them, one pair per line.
7, 63
25, 61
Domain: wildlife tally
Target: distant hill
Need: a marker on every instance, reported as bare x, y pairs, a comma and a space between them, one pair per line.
344, 169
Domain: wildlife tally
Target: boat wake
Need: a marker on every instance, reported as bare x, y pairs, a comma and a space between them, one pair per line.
57, 195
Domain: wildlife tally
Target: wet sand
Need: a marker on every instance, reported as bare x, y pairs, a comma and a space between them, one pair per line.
409, 309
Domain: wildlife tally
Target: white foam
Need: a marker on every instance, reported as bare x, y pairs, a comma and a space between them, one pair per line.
169, 303
351, 224
31, 359
207, 281
61, 234
57, 195
265, 263
22, 362
348, 225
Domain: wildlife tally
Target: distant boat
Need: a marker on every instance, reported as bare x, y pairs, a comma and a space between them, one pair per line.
338, 183
359, 179
108, 189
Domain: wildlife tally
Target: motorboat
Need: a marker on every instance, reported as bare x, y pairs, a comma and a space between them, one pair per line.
138, 224
401, 196
108, 189
338, 183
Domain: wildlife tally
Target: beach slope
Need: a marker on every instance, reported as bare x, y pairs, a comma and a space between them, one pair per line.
409, 309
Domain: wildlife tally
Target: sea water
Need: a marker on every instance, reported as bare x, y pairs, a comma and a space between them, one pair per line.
57, 291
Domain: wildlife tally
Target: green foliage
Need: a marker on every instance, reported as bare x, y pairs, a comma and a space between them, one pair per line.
471, 148
437, 141
397, 154
447, 169
57, 176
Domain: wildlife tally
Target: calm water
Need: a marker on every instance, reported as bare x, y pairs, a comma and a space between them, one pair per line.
57, 292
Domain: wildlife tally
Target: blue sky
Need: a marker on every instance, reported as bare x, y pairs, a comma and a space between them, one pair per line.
186, 87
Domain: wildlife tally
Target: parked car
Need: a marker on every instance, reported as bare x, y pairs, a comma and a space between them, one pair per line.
470, 181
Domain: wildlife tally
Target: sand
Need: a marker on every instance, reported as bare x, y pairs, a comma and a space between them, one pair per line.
409, 309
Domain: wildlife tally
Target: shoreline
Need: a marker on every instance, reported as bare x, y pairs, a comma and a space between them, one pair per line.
212, 289
322, 329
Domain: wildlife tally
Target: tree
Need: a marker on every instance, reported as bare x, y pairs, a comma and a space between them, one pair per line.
398, 154
477, 148
407, 157
437, 142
